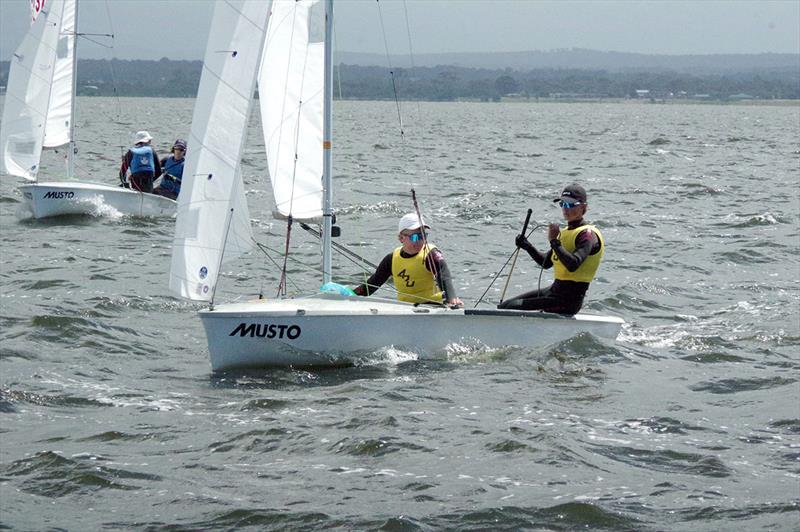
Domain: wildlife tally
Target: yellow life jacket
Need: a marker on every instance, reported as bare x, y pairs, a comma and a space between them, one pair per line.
588, 268
414, 283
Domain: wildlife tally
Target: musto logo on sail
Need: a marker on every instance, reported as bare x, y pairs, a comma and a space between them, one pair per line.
265, 330
61, 194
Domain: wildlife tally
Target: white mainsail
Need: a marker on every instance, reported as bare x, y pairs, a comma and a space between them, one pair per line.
38, 103
213, 221
290, 87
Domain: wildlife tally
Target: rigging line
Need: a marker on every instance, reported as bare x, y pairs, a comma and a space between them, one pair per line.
411, 55
218, 273
263, 248
341, 248
496, 275
539, 283
424, 236
391, 70
339, 64
114, 80
282, 283
419, 124
94, 41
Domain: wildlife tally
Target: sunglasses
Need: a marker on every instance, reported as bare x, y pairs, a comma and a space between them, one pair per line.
567, 205
415, 237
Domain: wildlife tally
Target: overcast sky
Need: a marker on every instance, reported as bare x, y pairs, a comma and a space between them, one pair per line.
177, 29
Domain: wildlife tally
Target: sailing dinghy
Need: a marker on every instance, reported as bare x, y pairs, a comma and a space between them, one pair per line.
293, 72
38, 113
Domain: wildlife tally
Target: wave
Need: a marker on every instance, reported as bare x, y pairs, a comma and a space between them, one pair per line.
49, 474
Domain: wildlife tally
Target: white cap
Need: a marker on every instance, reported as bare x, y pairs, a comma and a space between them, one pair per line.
410, 222
142, 136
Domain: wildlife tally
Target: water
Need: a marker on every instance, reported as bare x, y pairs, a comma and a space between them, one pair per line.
111, 419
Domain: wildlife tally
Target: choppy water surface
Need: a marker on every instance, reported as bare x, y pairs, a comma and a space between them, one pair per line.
111, 419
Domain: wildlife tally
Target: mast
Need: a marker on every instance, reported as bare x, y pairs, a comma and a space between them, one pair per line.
327, 155
71, 147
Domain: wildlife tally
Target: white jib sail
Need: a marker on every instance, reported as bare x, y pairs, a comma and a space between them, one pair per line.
290, 88
212, 208
28, 92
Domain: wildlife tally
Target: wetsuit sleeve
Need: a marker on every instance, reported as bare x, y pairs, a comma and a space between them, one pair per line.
545, 261
377, 279
436, 263
585, 243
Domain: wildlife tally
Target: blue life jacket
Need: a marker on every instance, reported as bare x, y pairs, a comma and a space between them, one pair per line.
142, 160
175, 169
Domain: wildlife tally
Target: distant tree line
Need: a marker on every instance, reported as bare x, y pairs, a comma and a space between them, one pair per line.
167, 78
450, 83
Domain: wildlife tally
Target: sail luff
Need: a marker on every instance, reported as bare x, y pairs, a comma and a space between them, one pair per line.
212, 186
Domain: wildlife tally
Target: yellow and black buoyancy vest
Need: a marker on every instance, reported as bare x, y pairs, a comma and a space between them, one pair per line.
588, 268
414, 283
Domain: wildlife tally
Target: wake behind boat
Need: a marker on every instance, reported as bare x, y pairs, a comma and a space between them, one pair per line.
39, 113
277, 48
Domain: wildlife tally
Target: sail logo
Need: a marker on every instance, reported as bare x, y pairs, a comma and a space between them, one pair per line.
264, 330
407, 278
36, 7
59, 194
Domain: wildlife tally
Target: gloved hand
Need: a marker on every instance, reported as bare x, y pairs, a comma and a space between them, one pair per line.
522, 242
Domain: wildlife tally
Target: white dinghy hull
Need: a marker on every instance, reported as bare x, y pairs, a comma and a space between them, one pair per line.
333, 330
61, 198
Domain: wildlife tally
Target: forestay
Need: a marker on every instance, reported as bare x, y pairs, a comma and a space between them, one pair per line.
38, 105
213, 221
290, 87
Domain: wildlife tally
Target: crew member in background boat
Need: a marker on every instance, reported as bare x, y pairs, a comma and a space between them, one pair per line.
575, 253
172, 165
418, 268
143, 163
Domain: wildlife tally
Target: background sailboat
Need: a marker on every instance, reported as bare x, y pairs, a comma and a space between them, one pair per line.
39, 112
213, 223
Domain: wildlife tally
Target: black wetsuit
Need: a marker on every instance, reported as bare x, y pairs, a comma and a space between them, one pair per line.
561, 297
434, 262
